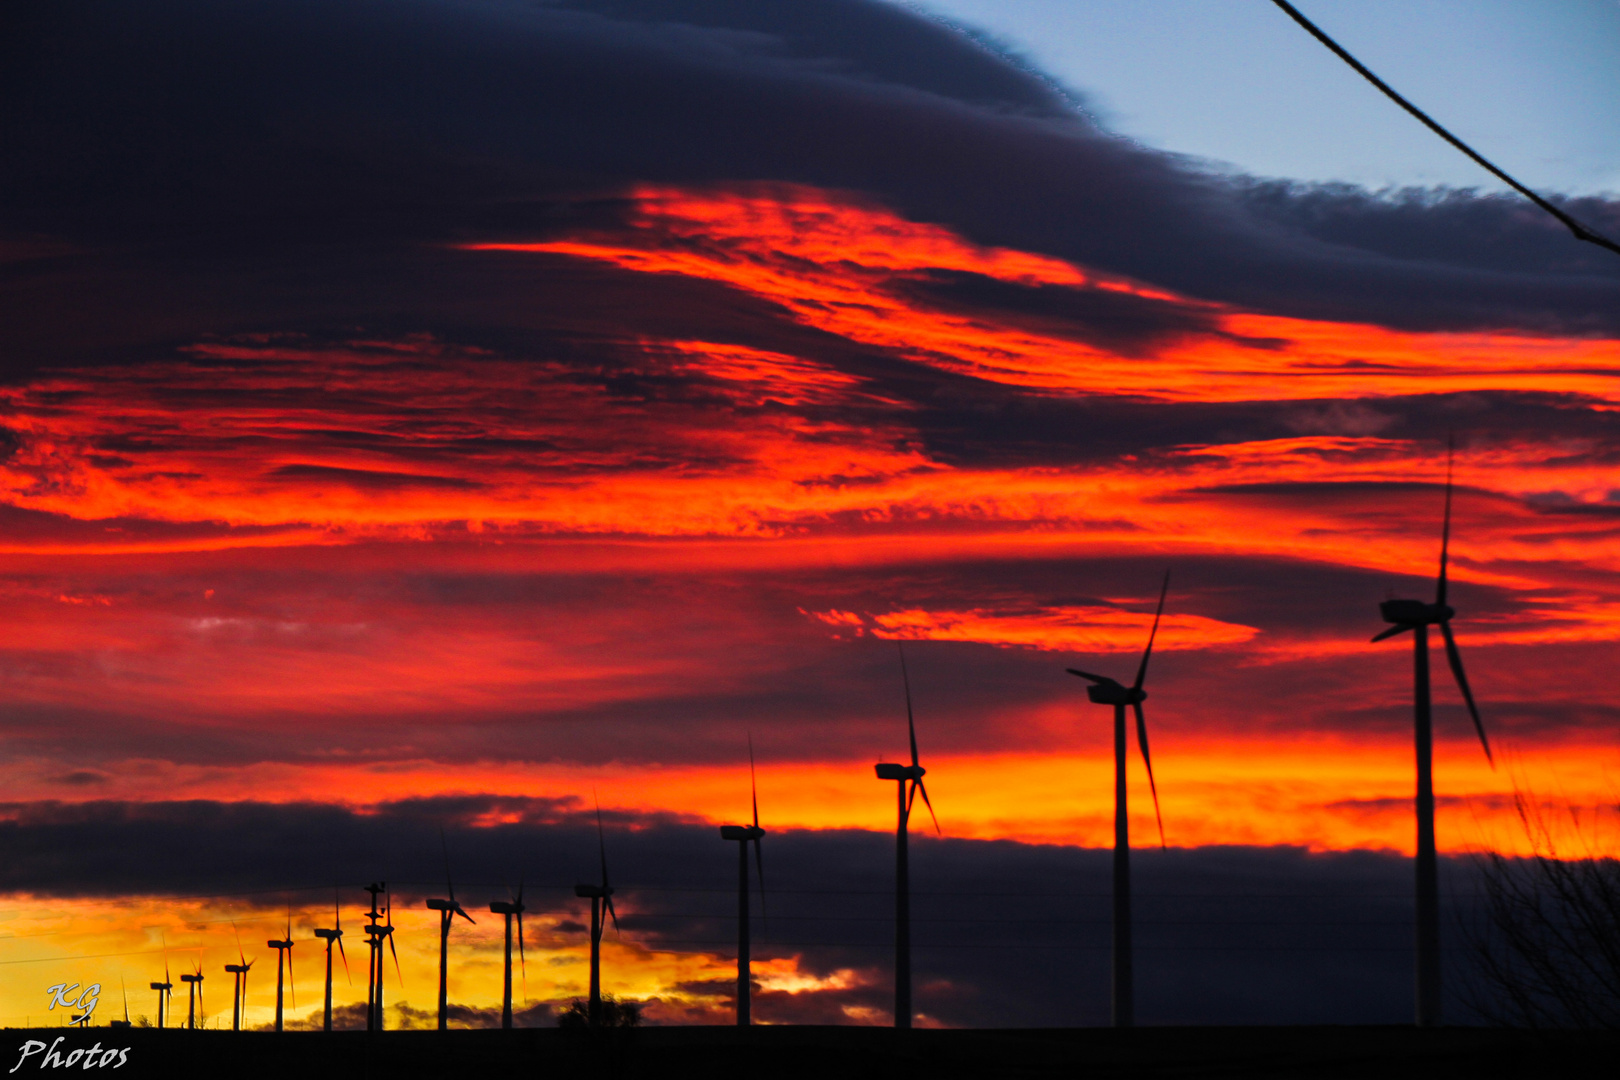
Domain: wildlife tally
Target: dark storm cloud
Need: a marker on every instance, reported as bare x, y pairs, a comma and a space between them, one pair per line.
180, 166
1006, 933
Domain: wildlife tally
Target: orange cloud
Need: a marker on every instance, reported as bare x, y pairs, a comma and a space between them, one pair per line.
1061, 629
840, 265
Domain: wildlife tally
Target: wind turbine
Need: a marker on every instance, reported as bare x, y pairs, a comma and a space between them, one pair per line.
448, 910
284, 962
1416, 616
510, 908
1105, 691
905, 775
376, 934
330, 936
163, 988
601, 897
743, 834
195, 983
239, 991
125, 991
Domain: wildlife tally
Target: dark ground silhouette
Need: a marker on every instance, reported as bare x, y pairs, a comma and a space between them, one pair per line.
770, 1052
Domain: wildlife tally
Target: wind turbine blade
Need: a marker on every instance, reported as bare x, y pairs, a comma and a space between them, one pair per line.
918, 785
523, 961
239, 957
459, 910
613, 914
1390, 631
759, 864
345, 957
1455, 659
753, 783
601, 844
1445, 530
1098, 679
337, 912
448, 884
1147, 759
397, 972
911, 724
1141, 672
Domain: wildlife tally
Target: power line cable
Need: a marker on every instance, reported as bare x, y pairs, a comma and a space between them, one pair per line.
1581, 231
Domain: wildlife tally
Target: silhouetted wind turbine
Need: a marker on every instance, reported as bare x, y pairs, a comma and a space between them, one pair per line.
194, 983
125, 991
448, 910
905, 775
743, 834
375, 933
239, 990
329, 936
1105, 691
163, 988
1416, 616
284, 962
510, 908
601, 897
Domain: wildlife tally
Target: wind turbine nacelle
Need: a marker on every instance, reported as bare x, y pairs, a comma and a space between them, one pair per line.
163, 986
378, 929
893, 770
1115, 694
506, 907
328, 935
191, 978
235, 969
1414, 612
279, 944
592, 891
441, 905
741, 832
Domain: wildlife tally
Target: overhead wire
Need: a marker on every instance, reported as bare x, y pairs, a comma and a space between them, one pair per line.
1580, 231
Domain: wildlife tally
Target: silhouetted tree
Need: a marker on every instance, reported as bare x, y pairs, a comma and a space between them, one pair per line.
1546, 936
615, 1013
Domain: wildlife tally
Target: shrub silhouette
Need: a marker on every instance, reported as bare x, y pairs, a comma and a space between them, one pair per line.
615, 1014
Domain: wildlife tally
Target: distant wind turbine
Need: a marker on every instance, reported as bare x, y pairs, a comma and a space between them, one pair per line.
1416, 616
448, 910
194, 1004
510, 908
284, 962
334, 935
1105, 691
239, 991
601, 897
743, 834
163, 988
905, 775
125, 991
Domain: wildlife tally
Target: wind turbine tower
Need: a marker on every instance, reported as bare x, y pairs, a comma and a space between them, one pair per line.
238, 993
163, 988
448, 910
330, 936
1105, 691
909, 783
194, 985
1416, 616
743, 835
510, 908
283, 966
601, 897
376, 934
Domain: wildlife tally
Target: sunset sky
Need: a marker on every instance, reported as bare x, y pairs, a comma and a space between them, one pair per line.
426, 416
